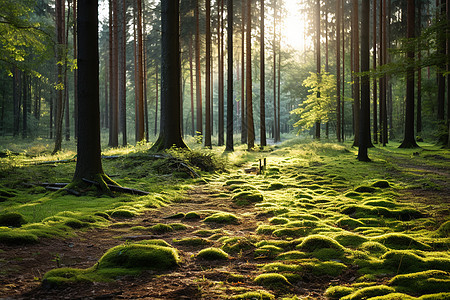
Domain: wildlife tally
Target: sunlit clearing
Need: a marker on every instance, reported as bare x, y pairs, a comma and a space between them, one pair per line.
294, 26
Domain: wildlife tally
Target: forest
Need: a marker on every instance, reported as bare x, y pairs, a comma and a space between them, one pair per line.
226, 149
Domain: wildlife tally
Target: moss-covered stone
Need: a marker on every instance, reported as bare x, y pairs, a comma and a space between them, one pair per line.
161, 228
349, 223
400, 241
337, 292
192, 242
292, 255
213, 253
315, 242
247, 197
369, 292
237, 244
192, 215
12, 219
268, 251
122, 213
348, 239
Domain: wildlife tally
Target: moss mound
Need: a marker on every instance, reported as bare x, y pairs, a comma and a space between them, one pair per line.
122, 213
11, 237
192, 215
268, 251
365, 189
400, 241
275, 186
247, 197
237, 244
374, 247
348, 239
292, 255
192, 242
444, 229
369, 292
381, 184
212, 253
161, 228
12, 219
222, 218
272, 280
431, 281
140, 256
315, 242
349, 223
259, 295
337, 292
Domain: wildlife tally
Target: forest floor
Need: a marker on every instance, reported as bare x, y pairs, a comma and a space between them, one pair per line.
316, 224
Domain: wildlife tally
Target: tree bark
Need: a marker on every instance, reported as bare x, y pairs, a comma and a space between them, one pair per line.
364, 115
75, 71
275, 111
140, 79
243, 104
60, 30
409, 140
221, 104
318, 63
208, 143
248, 79
170, 126
122, 41
374, 64
24, 105
192, 86
262, 103
338, 70
229, 142
199, 128
356, 87
16, 104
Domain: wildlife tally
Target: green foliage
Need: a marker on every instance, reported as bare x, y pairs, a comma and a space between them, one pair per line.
320, 103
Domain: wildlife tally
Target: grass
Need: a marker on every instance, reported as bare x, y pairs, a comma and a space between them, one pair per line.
319, 214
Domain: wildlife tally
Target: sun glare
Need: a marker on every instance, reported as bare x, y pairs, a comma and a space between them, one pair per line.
294, 26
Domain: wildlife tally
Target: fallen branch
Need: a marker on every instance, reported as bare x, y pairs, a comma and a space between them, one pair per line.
116, 188
51, 162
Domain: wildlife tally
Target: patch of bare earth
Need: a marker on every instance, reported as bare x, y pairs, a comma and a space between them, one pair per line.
23, 266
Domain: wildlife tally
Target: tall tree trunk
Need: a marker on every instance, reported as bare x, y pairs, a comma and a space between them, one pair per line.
208, 76
221, 106
16, 104
25, 105
140, 79
364, 115
170, 126
157, 100
199, 129
262, 103
122, 41
89, 164
343, 71
106, 108
419, 74
279, 88
385, 78
318, 63
440, 70
409, 140
243, 104
75, 71
191, 71
275, 111
66, 86
144, 75
374, 64
60, 30
113, 69
356, 88
338, 69
248, 79
230, 96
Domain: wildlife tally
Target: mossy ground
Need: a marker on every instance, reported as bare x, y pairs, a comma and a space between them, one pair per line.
351, 230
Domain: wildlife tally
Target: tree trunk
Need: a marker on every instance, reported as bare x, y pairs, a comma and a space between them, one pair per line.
60, 30
66, 86
419, 74
157, 100
318, 63
16, 104
275, 111
338, 69
199, 129
208, 77
221, 104
89, 164
356, 88
230, 96
343, 72
248, 79
374, 64
364, 116
122, 41
140, 79
440, 70
192, 86
25, 105
243, 104
262, 103
75, 71
409, 140
113, 69
170, 126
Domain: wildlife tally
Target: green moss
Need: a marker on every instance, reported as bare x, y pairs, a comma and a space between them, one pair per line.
192, 215
255, 295
349, 223
314, 242
205, 232
102, 215
222, 218
348, 239
212, 253
278, 220
122, 213
275, 186
381, 184
161, 228
337, 292
369, 292
380, 203
272, 280
281, 267
192, 242
157, 242
431, 281
400, 241
354, 195
140, 256
330, 268
374, 247
268, 251
179, 215
279, 243
439, 296
75, 224
292, 255
235, 181
12, 219
15, 237
403, 261
237, 244
247, 197
365, 189
291, 232
444, 229
178, 226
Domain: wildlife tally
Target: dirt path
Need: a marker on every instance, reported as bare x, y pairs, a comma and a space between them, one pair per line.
194, 279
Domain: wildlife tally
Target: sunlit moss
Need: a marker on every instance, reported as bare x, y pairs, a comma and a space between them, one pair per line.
260, 295
369, 292
426, 282
272, 280
212, 254
337, 292
222, 218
